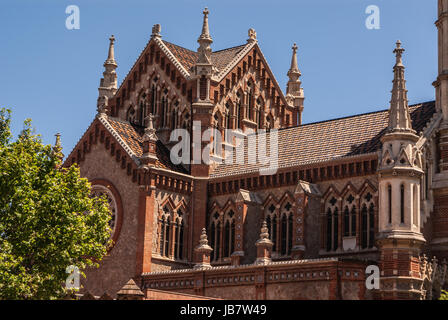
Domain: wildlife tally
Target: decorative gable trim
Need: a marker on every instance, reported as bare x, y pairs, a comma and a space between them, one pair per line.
117, 137
172, 58
234, 62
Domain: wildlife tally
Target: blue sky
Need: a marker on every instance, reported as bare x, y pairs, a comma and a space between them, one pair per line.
51, 74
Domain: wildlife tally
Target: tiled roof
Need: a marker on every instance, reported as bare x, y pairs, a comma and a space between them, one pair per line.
332, 139
188, 58
132, 136
222, 58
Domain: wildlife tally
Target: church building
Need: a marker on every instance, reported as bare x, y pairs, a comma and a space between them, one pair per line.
347, 195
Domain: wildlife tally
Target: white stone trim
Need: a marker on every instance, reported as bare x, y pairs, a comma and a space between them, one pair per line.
123, 144
234, 62
172, 58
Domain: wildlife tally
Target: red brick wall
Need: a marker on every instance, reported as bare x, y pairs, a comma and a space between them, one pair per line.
119, 266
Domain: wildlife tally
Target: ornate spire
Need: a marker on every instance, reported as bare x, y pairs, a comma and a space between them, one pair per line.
111, 55
399, 117
205, 40
294, 91
205, 35
294, 72
108, 84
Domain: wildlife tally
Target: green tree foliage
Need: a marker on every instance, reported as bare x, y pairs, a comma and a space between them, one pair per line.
443, 295
48, 221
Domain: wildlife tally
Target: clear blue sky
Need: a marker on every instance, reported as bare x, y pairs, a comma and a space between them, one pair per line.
51, 74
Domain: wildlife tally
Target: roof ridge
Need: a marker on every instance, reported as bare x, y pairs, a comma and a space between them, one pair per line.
230, 48
352, 116
178, 46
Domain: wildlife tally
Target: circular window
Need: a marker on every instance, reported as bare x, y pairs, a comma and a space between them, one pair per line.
98, 191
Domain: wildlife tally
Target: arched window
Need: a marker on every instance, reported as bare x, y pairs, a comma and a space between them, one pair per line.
216, 233
371, 225
227, 116
286, 229
272, 224
238, 110
152, 106
163, 109
367, 221
335, 229
131, 115
167, 237
329, 229
171, 233
142, 109
283, 234
250, 101
229, 234
290, 229
259, 113
179, 236
164, 227
332, 225
350, 215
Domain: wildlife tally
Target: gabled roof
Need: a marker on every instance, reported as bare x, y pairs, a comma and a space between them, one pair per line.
330, 140
132, 135
188, 58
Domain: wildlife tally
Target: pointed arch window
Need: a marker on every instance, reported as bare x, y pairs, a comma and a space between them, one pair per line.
238, 110
332, 225
171, 233
350, 216
272, 224
367, 221
229, 234
250, 101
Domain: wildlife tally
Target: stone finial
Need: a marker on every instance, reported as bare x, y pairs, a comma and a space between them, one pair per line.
294, 69
57, 149
203, 251
205, 35
156, 29
264, 234
203, 242
108, 83
399, 117
399, 54
150, 131
264, 245
102, 106
252, 35
111, 54
205, 40
294, 91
